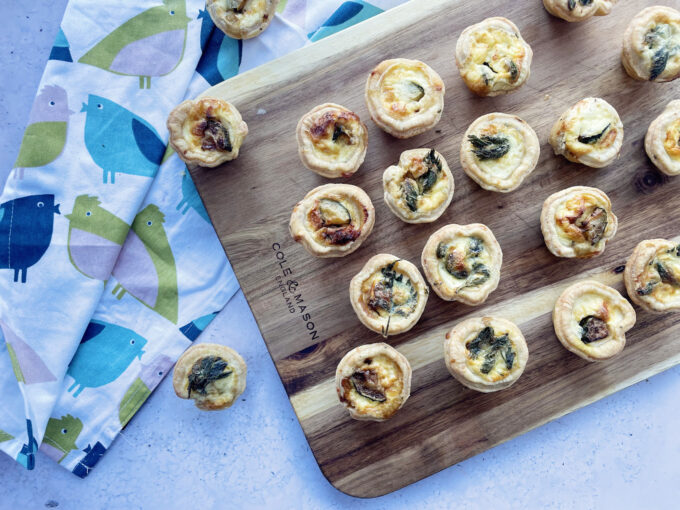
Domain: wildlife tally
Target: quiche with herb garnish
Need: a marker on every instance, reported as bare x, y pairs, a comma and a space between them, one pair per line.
492, 57
388, 294
591, 320
332, 220
420, 187
242, 19
498, 151
485, 353
662, 141
206, 132
578, 10
213, 375
463, 262
590, 133
652, 275
651, 45
373, 381
332, 140
578, 222
404, 97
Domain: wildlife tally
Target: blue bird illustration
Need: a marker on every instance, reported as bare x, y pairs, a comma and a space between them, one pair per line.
26, 225
207, 26
191, 199
348, 14
221, 56
120, 141
149, 44
60, 49
26, 457
192, 329
93, 454
45, 136
105, 352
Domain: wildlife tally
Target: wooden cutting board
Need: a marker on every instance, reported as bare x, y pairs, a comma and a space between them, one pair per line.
302, 303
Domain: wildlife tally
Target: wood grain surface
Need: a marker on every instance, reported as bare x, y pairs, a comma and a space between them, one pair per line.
302, 304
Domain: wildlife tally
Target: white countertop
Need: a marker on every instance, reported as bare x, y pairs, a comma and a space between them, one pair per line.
621, 452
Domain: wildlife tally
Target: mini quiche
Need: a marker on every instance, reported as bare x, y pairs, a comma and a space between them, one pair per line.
652, 275
662, 142
492, 57
578, 222
206, 132
498, 151
332, 220
463, 263
590, 132
420, 187
373, 381
485, 353
213, 375
578, 10
332, 140
242, 19
651, 45
404, 97
388, 294
591, 320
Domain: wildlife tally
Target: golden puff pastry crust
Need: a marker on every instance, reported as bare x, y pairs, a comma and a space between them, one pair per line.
651, 45
373, 381
463, 262
578, 10
388, 294
590, 133
420, 187
492, 57
662, 141
404, 97
578, 222
242, 19
652, 275
206, 132
498, 151
591, 320
332, 140
332, 220
213, 375
485, 353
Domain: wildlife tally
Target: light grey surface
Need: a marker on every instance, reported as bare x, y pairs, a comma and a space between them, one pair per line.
621, 452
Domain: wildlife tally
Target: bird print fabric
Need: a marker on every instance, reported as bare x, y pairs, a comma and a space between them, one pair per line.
133, 267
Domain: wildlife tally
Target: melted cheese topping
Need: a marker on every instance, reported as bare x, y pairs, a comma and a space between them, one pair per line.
220, 392
566, 215
594, 304
662, 34
336, 135
590, 122
325, 222
250, 14
662, 289
499, 370
672, 141
428, 201
198, 115
503, 167
390, 380
460, 245
403, 301
494, 59
404, 90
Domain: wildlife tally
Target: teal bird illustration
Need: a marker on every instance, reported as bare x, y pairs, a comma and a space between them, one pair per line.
45, 135
60, 437
149, 44
60, 49
146, 266
95, 237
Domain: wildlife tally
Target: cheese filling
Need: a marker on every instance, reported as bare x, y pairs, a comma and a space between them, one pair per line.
208, 128
498, 149
464, 263
336, 220
336, 136
389, 292
374, 386
405, 90
248, 12
672, 140
495, 57
423, 186
661, 46
491, 354
661, 278
592, 129
581, 222
594, 319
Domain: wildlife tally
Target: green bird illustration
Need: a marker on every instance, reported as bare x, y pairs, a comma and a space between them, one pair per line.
146, 266
4, 436
60, 437
149, 44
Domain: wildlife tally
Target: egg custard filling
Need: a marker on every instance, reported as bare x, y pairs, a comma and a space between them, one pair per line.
206, 131
388, 294
591, 320
578, 222
578, 10
404, 97
492, 57
242, 19
332, 220
662, 141
373, 381
498, 151
420, 188
652, 275
661, 46
332, 140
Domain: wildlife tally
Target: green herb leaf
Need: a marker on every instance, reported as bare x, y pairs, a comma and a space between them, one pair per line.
659, 63
647, 289
666, 276
489, 147
590, 139
416, 91
512, 69
338, 132
366, 384
593, 329
593, 225
476, 246
205, 371
409, 190
441, 250
571, 4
